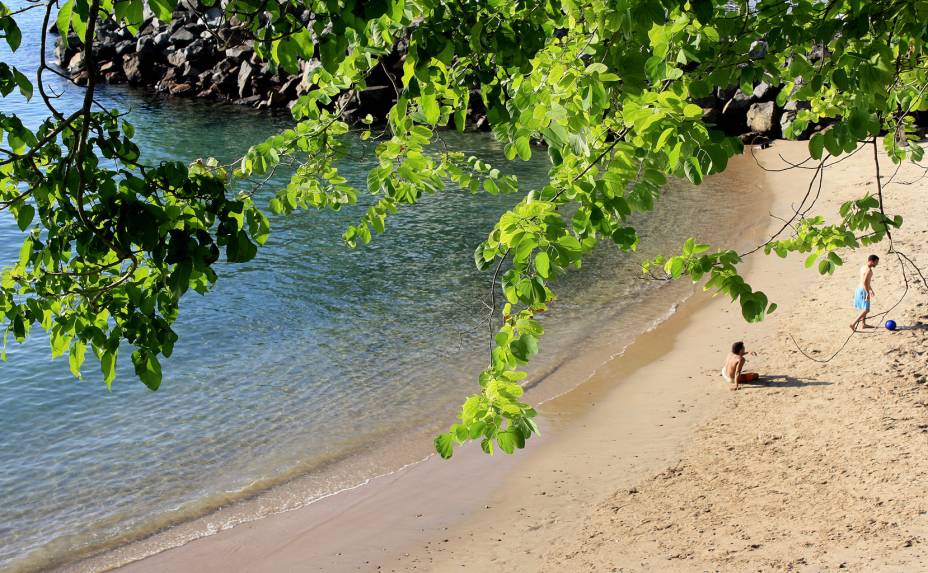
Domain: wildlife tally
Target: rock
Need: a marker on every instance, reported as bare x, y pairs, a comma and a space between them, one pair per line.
760, 116
182, 37
162, 40
198, 51
76, 63
213, 17
180, 89
178, 58
738, 102
125, 47
108, 67
758, 49
244, 80
250, 100
711, 115
147, 46
238, 53
761, 91
80, 78
188, 72
132, 68
790, 111
818, 52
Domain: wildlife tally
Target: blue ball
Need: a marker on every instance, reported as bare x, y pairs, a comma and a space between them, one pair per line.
890, 325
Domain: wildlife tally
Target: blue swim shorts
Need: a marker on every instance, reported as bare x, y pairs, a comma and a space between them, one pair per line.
860, 299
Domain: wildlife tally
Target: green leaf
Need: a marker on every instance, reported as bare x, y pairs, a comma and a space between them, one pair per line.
524, 347
510, 440
542, 264
76, 358
444, 445
108, 367
25, 87
147, 368
816, 146
662, 140
430, 108
523, 147
14, 36
24, 216
163, 9
810, 260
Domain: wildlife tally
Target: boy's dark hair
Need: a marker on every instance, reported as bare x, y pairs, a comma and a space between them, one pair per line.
873, 258
737, 348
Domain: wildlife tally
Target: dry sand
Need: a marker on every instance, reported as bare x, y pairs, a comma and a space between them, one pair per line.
820, 467
654, 465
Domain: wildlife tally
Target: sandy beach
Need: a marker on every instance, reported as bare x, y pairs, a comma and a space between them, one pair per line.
652, 463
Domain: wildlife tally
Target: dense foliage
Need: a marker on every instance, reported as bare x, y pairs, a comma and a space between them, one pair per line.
111, 244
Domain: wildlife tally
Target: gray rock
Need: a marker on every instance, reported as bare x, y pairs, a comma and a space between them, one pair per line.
162, 40
761, 91
188, 72
177, 58
244, 79
758, 49
213, 17
147, 46
125, 47
760, 116
739, 101
198, 51
250, 100
239, 53
132, 67
183, 37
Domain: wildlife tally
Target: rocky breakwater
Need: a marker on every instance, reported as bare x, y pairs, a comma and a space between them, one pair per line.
200, 55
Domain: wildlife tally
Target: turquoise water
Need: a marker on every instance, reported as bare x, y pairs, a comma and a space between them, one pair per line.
311, 361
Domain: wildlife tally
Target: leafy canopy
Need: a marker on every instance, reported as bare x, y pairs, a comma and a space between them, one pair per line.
111, 244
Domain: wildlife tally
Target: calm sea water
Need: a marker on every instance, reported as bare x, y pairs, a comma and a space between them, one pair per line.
312, 361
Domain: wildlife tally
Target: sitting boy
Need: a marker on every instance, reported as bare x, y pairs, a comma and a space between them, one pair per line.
733, 365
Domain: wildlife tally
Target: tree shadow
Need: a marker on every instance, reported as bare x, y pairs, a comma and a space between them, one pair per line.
782, 381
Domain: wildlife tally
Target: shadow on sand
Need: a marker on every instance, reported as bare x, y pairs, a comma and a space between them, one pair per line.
782, 381
916, 326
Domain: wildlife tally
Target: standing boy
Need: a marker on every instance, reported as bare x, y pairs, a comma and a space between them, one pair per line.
864, 292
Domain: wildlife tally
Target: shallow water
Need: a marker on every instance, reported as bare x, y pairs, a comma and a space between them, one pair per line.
311, 361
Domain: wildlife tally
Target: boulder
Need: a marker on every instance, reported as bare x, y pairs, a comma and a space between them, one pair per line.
177, 58
198, 51
250, 100
239, 53
147, 46
125, 47
76, 63
162, 40
133, 69
182, 37
188, 72
760, 116
762, 91
180, 89
738, 102
245, 73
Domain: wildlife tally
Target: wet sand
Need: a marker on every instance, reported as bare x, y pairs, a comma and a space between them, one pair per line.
594, 492
820, 467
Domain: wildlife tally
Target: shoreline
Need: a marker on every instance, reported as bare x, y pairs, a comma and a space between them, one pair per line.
342, 512
817, 468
